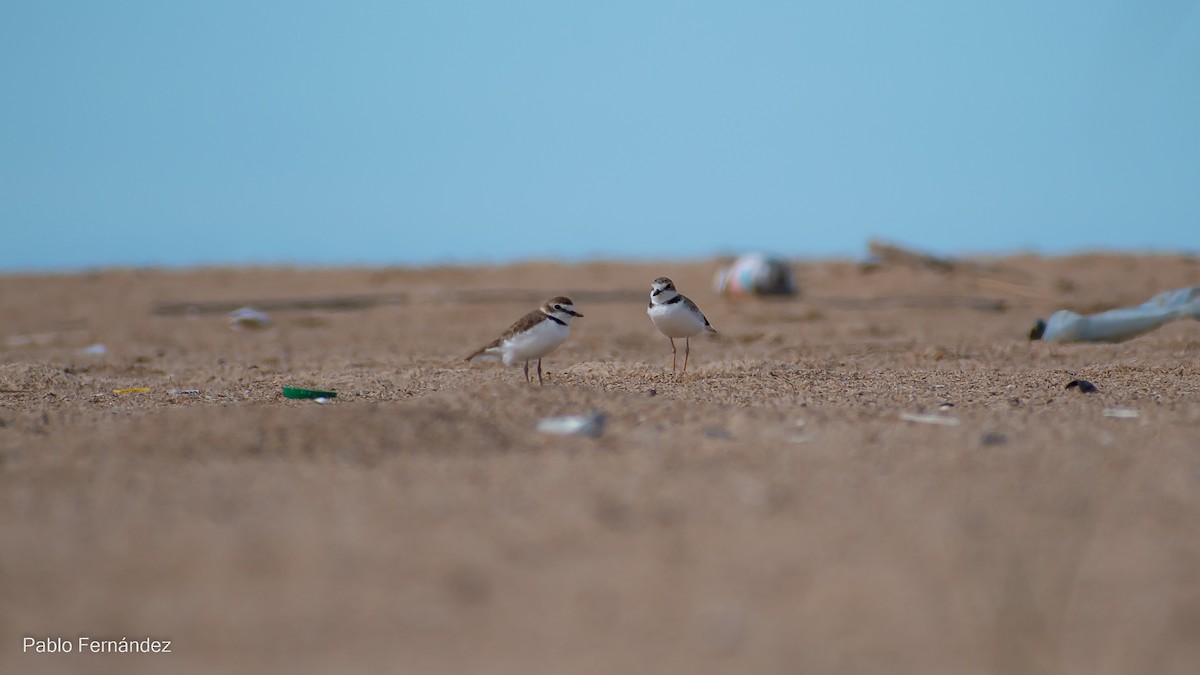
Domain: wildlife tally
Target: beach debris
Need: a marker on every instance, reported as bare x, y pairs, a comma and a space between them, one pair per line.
924, 418
992, 438
755, 274
336, 303
1122, 323
318, 395
185, 392
880, 253
345, 303
718, 433
990, 275
132, 390
248, 317
800, 436
1084, 386
915, 302
93, 350
590, 425
1121, 413
35, 340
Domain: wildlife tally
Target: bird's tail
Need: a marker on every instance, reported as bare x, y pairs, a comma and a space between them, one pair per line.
482, 351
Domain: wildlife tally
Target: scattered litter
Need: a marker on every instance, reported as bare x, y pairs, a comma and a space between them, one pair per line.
1123, 323
590, 425
93, 350
132, 390
248, 317
1121, 413
945, 406
755, 274
921, 418
880, 254
36, 340
186, 392
800, 436
993, 438
314, 394
1084, 386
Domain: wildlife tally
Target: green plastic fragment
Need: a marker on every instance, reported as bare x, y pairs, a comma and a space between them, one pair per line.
297, 392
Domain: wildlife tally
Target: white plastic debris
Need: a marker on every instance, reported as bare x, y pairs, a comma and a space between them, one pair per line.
590, 425
1121, 324
248, 317
93, 350
920, 418
755, 274
1121, 413
799, 436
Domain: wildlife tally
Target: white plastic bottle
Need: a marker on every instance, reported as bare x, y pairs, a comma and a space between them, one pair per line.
1121, 324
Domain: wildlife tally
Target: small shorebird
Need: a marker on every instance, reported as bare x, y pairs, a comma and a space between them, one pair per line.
533, 336
675, 316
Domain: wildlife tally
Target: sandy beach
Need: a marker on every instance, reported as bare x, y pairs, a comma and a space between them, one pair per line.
880, 475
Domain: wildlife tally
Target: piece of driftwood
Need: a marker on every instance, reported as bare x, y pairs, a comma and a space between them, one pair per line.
914, 302
882, 253
334, 303
996, 276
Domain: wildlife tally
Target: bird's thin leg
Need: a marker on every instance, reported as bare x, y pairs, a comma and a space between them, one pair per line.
687, 349
527, 370
540, 371
672, 353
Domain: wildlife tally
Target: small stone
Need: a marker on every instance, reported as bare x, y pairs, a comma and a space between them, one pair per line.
1085, 387
993, 438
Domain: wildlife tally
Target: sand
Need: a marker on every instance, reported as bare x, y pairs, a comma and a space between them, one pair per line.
771, 511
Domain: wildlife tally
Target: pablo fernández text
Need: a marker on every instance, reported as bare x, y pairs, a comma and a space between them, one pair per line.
88, 645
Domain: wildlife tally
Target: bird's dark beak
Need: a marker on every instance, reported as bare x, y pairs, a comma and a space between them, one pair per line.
573, 313
655, 292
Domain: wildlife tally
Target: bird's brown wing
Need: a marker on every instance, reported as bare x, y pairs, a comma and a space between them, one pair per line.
520, 326
689, 303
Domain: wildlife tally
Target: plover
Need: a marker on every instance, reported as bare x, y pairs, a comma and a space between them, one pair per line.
533, 336
675, 316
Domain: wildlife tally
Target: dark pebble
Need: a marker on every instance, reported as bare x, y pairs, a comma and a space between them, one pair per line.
1085, 387
993, 438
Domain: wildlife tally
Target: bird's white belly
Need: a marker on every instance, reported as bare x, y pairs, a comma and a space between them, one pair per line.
534, 343
676, 321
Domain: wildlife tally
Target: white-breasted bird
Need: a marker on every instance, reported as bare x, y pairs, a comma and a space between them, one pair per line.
533, 336
675, 316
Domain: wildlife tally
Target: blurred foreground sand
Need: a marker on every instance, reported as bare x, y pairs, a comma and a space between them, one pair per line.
768, 512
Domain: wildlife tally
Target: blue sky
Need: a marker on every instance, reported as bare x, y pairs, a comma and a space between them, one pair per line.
183, 133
